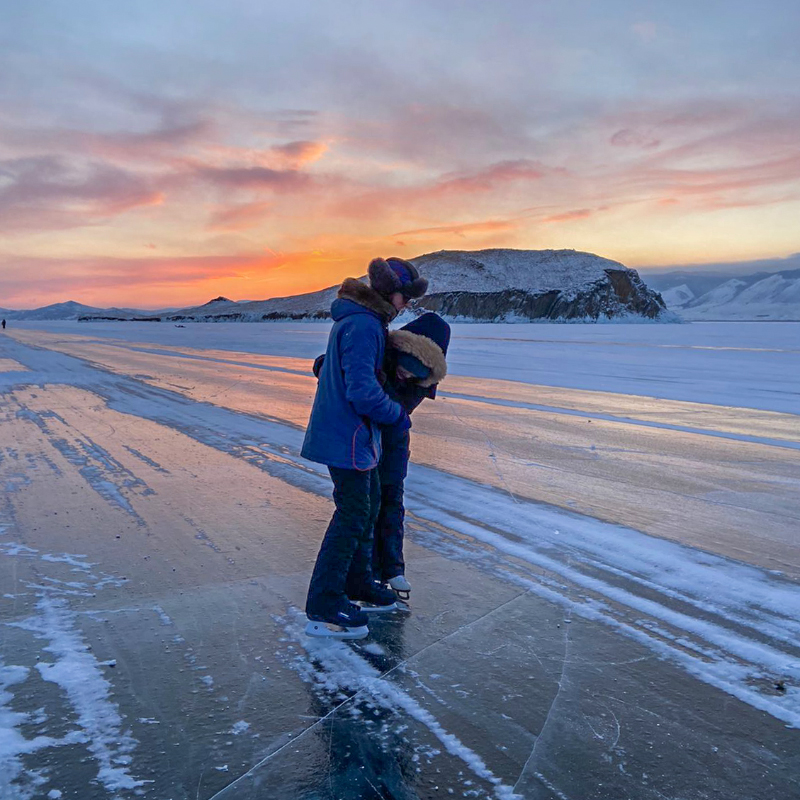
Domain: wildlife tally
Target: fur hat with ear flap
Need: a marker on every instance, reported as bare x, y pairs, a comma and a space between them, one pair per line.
390, 275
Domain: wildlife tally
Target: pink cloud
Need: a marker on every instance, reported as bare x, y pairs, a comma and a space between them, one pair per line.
289, 156
240, 217
567, 216
489, 178
487, 226
628, 137
454, 188
164, 141
287, 180
49, 192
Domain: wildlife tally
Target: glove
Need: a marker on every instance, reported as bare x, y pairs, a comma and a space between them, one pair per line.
403, 423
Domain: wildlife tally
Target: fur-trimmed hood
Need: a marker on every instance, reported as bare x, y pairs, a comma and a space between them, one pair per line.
367, 297
423, 348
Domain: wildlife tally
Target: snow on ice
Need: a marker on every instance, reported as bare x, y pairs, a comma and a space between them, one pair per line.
486, 493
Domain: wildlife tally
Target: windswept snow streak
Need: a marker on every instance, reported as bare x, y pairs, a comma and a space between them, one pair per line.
77, 672
337, 671
16, 783
733, 626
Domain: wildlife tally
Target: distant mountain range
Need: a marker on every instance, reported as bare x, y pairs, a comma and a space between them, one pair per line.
72, 310
476, 286
724, 296
520, 285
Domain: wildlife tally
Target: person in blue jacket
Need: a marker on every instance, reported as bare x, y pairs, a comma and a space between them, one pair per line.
415, 364
344, 433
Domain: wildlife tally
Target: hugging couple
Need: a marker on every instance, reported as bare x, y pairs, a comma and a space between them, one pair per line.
369, 382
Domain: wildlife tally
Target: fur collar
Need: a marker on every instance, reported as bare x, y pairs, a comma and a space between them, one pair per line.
366, 296
423, 348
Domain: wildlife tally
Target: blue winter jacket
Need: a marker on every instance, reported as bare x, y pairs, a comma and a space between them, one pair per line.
350, 402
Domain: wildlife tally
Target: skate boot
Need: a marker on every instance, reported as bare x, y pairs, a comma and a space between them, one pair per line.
374, 597
401, 586
343, 621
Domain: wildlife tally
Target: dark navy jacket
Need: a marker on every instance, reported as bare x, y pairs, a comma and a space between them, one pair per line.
350, 403
396, 443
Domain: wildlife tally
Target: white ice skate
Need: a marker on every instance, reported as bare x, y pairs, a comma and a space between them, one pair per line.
401, 586
371, 608
327, 630
374, 598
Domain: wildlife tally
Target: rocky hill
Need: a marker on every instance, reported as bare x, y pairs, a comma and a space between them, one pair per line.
525, 285
482, 286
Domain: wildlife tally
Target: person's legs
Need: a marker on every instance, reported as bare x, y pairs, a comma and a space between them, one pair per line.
352, 494
389, 533
360, 573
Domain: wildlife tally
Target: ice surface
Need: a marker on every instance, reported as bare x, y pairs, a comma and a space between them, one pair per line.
167, 525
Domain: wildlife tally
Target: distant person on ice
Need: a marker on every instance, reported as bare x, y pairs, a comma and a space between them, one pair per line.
4, 324
343, 433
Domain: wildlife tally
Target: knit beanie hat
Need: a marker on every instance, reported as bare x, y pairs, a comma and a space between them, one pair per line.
433, 327
390, 275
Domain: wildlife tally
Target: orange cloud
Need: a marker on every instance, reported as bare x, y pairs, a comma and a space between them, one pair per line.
298, 154
566, 216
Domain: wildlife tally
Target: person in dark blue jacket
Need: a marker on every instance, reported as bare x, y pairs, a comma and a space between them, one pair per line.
344, 434
415, 365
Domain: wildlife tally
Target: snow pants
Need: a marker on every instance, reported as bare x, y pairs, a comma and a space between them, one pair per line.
388, 548
388, 534
344, 562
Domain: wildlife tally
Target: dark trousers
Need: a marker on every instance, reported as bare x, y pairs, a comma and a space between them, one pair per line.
344, 563
388, 548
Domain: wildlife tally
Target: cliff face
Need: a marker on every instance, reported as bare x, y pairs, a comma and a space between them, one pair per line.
622, 294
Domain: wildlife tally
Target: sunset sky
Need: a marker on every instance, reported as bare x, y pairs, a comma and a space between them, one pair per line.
162, 153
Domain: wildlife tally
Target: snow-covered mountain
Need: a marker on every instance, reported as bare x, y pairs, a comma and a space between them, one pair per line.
523, 285
68, 310
678, 296
72, 310
483, 286
761, 296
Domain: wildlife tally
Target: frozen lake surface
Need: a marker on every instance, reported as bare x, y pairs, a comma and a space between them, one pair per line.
602, 540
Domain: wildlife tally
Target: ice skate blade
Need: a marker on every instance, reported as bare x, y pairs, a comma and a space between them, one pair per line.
368, 609
322, 631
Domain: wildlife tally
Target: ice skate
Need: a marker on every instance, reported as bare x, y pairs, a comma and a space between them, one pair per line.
375, 598
327, 630
346, 622
401, 587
